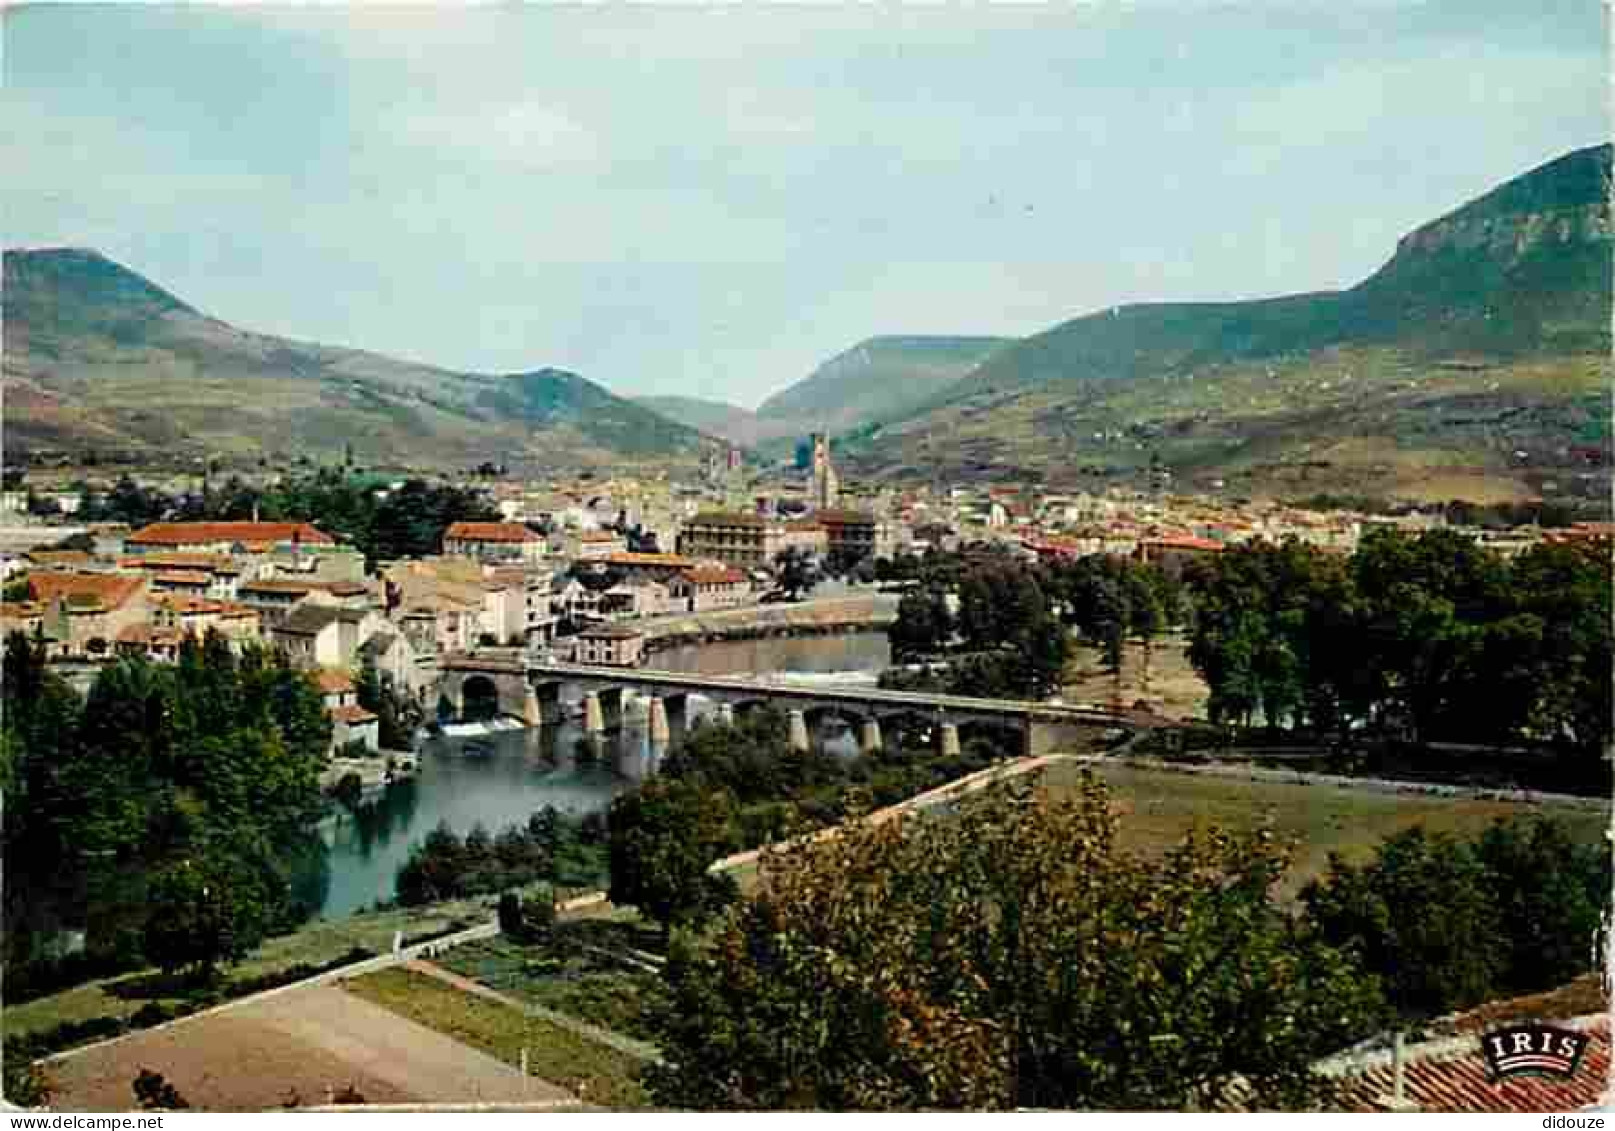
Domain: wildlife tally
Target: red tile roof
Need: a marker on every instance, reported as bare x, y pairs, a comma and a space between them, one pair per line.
713, 575
489, 532
625, 558
181, 577
1450, 1075
108, 589
333, 682
1183, 542
247, 533
351, 714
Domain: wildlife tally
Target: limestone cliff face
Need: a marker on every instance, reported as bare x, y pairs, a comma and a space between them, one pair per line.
1511, 237
1565, 202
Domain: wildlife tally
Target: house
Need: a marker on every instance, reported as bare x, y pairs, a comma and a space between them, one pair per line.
851, 535
637, 567
503, 542
597, 545
198, 615
86, 611
531, 590
636, 599
393, 657
1173, 552
273, 599
574, 601
218, 574
224, 537
316, 635
160, 645
805, 535
609, 644
439, 623
744, 541
710, 587
349, 721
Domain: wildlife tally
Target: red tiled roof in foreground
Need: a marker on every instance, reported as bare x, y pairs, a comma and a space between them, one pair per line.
1449, 1075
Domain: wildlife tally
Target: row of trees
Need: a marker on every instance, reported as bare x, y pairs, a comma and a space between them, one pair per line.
1431, 638
993, 622
1013, 954
1447, 923
552, 846
727, 788
168, 812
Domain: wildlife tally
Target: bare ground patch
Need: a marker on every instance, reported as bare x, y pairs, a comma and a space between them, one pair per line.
300, 1043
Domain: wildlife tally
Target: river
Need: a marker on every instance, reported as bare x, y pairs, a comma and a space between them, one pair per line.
526, 770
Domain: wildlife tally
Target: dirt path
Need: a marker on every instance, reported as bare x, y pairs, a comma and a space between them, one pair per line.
306, 1043
618, 1041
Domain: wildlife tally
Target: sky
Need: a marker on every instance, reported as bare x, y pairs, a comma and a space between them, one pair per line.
710, 200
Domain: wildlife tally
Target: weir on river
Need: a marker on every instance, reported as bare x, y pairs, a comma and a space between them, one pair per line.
525, 770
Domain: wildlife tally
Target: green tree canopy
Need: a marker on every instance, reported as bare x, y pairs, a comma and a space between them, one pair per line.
1007, 955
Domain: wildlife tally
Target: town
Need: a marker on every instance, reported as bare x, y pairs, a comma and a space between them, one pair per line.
806, 558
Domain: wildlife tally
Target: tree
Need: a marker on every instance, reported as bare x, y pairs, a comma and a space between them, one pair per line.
1549, 893
206, 909
1007, 955
511, 923
663, 837
923, 626
794, 572
1421, 916
154, 1093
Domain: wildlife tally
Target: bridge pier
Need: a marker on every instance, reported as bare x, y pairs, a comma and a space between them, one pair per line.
947, 740
594, 719
656, 724
799, 733
550, 709
869, 739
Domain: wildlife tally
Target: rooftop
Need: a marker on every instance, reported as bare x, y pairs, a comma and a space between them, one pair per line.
245, 533
490, 532
107, 589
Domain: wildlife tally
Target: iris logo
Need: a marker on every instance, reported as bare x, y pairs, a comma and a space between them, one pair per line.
1533, 1050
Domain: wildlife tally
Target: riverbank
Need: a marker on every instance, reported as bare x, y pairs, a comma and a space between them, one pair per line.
864, 612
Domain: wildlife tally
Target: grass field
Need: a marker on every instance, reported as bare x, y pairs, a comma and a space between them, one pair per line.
594, 1073
1157, 806
314, 944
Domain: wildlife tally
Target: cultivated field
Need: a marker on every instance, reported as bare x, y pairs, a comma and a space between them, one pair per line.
594, 1073
290, 1049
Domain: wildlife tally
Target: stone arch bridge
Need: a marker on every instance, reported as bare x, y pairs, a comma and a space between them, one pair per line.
533, 692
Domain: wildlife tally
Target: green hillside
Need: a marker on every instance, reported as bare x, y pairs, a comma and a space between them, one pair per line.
1473, 362
715, 418
879, 379
98, 358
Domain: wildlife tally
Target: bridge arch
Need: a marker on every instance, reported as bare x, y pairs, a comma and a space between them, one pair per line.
479, 697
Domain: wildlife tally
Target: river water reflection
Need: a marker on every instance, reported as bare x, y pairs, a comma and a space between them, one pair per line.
521, 771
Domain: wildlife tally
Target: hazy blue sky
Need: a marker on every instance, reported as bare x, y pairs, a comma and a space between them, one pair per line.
711, 200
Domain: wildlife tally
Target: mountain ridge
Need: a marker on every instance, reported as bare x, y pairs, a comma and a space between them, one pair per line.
97, 356
1515, 281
